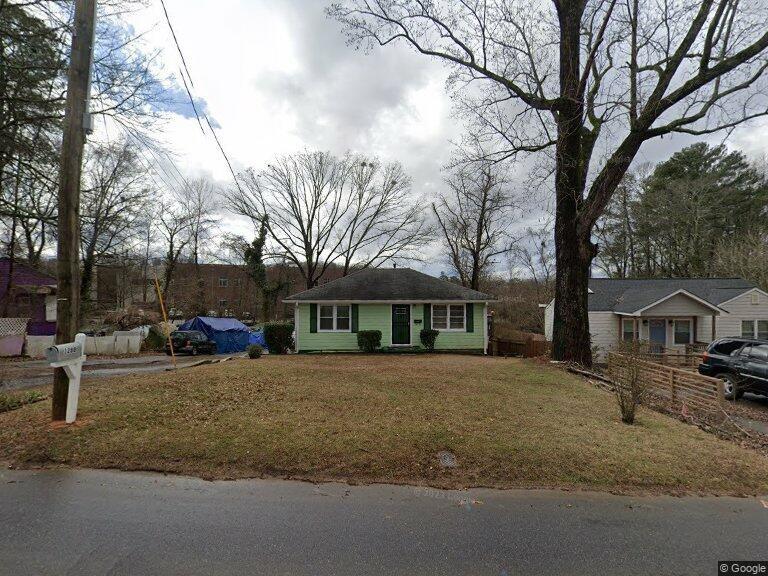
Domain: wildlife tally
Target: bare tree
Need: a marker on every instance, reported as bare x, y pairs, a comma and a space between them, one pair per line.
173, 226
114, 198
594, 79
199, 200
321, 210
534, 253
744, 257
383, 223
475, 217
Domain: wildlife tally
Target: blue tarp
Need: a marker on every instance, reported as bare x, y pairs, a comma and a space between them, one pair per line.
230, 335
257, 337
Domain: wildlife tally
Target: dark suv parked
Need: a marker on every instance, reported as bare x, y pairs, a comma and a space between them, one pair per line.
190, 342
741, 363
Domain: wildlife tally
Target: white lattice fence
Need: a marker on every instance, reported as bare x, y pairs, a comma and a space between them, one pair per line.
13, 326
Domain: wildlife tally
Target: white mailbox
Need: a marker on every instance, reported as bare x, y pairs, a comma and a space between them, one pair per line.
70, 357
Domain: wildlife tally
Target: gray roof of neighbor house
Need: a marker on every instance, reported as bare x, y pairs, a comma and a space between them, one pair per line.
628, 296
389, 284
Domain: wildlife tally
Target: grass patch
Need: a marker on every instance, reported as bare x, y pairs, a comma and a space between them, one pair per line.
510, 423
10, 402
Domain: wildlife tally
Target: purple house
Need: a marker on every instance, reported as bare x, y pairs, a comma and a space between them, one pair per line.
30, 294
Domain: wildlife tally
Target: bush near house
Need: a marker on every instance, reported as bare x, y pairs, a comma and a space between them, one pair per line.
279, 337
428, 337
255, 351
369, 340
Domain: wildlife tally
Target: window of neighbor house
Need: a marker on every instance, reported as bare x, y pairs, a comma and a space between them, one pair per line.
683, 332
747, 328
334, 318
223, 282
762, 329
450, 317
629, 330
222, 303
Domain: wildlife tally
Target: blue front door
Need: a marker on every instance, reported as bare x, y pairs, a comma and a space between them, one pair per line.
657, 333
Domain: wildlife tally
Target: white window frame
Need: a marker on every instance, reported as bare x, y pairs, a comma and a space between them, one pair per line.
335, 318
754, 328
223, 282
635, 329
448, 318
690, 332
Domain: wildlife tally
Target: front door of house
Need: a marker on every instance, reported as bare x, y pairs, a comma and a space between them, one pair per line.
401, 324
657, 334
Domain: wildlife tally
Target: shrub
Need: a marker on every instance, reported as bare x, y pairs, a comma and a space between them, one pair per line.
628, 381
156, 338
428, 337
255, 351
279, 337
369, 340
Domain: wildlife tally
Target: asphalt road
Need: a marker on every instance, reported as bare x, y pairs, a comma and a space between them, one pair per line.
95, 522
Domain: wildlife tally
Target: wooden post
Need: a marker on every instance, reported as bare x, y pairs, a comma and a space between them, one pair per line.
672, 385
73, 142
721, 392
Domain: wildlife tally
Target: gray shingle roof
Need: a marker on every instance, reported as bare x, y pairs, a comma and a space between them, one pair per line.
628, 296
389, 284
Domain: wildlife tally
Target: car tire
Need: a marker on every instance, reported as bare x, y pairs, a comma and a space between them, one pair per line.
732, 391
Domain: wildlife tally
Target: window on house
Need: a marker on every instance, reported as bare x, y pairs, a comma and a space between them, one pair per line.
223, 282
762, 329
755, 298
222, 303
747, 328
334, 318
628, 330
342, 317
448, 317
682, 331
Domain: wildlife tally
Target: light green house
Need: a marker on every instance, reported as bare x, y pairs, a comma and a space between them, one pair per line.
398, 301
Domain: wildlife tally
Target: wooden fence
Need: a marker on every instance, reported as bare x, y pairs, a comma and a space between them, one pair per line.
678, 359
680, 387
531, 346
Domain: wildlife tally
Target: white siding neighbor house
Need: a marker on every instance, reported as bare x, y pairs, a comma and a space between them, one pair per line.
671, 312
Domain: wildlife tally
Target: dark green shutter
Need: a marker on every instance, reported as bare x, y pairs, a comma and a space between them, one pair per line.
354, 317
427, 316
470, 317
313, 318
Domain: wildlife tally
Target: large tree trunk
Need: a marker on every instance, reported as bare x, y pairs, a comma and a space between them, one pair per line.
573, 246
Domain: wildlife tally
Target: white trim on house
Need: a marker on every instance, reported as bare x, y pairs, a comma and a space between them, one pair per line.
485, 328
448, 318
746, 291
682, 291
296, 327
691, 335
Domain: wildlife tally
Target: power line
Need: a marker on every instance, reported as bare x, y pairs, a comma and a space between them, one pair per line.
192, 99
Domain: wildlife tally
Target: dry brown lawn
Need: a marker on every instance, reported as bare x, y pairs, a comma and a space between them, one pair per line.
383, 418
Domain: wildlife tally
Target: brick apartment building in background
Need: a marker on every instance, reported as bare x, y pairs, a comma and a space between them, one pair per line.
223, 290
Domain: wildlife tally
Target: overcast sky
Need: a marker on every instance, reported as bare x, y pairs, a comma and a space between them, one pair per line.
277, 76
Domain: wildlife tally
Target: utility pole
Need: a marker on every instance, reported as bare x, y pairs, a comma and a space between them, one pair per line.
76, 124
